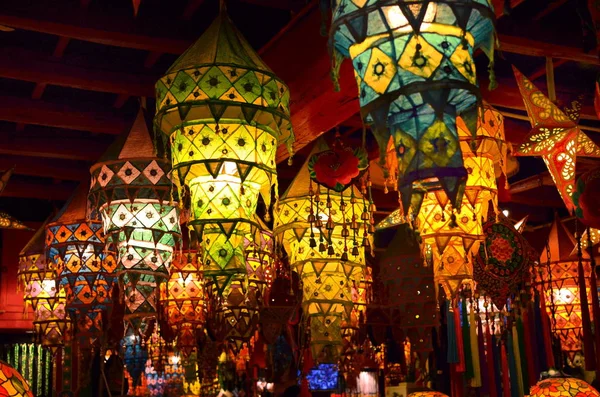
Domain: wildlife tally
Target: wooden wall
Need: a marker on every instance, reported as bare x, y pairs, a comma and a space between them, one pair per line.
11, 300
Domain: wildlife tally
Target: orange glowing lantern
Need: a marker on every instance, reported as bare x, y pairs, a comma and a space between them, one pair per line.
563, 387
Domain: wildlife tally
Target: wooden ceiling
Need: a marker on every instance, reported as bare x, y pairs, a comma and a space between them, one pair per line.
71, 75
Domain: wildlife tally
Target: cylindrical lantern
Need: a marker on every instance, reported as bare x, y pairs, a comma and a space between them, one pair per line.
563, 387
325, 233
131, 189
84, 267
38, 278
558, 280
224, 113
184, 301
585, 198
414, 65
427, 394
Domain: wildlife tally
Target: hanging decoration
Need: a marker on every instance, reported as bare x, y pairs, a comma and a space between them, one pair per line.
503, 262
451, 237
555, 136
131, 190
427, 394
415, 71
7, 221
280, 304
84, 268
12, 383
224, 113
559, 387
325, 234
184, 302
585, 197
559, 281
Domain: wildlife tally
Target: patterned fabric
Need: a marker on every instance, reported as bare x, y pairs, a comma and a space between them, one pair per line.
427, 394
224, 113
12, 383
415, 71
555, 136
321, 238
502, 264
567, 387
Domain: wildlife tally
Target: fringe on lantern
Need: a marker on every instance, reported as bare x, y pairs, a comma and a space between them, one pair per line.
531, 346
523, 353
460, 345
506, 386
452, 357
466, 336
491, 363
595, 308
514, 339
483, 366
476, 379
546, 332
509, 351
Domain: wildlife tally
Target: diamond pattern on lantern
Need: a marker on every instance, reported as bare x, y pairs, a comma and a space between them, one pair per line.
153, 172
214, 83
105, 175
380, 71
128, 173
419, 57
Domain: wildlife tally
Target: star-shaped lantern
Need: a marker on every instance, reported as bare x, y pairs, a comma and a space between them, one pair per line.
555, 136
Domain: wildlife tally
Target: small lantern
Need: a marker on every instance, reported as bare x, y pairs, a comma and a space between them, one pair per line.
563, 387
12, 383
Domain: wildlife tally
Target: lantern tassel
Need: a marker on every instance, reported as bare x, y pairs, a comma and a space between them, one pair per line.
506, 386
476, 379
531, 346
517, 360
491, 362
452, 357
460, 367
467, 353
595, 302
483, 365
523, 353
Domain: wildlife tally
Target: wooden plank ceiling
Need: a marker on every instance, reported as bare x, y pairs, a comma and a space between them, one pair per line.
71, 76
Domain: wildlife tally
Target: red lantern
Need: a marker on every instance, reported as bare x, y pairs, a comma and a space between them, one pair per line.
586, 197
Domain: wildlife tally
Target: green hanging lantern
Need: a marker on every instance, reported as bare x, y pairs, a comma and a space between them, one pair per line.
224, 113
414, 65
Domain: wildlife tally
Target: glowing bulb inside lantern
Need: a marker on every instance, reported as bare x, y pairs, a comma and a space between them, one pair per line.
396, 19
506, 212
174, 360
563, 295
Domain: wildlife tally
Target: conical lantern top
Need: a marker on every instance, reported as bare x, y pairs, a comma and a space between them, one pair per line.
561, 243
137, 143
76, 208
37, 244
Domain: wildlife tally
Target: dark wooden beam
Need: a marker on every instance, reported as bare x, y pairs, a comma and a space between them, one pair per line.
190, 9
524, 46
46, 168
28, 111
38, 22
550, 8
542, 70
43, 191
21, 65
52, 148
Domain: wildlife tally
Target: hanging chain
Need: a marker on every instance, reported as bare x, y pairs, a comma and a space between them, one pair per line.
549, 270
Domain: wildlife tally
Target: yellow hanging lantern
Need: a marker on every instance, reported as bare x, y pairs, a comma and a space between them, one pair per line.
320, 229
224, 113
184, 302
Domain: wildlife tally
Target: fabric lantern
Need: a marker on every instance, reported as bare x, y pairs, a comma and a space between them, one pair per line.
558, 280
224, 113
131, 190
134, 354
184, 302
12, 383
320, 229
84, 268
7, 221
504, 260
37, 276
559, 387
555, 136
450, 237
427, 394
585, 198
415, 72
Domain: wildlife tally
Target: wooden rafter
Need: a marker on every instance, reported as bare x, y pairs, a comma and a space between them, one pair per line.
52, 148
44, 191
46, 168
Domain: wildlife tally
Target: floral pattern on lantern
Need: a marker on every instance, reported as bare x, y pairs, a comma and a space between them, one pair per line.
131, 190
224, 113
84, 267
321, 230
416, 73
559, 387
12, 383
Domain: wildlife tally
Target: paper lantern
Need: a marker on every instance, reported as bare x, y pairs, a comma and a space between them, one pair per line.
415, 72
585, 197
184, 301
84, 268
427, 394
224, 113
131, 190
558, 280
134, 354
504, 260
33, 268
12, 383
324, 233
555, 136
559, 387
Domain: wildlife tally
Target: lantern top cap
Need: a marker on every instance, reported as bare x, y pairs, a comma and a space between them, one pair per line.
136, 143
76, 208
561, 243
221, 44
37, 244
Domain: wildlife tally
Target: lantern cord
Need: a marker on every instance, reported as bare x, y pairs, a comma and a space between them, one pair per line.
588, 341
